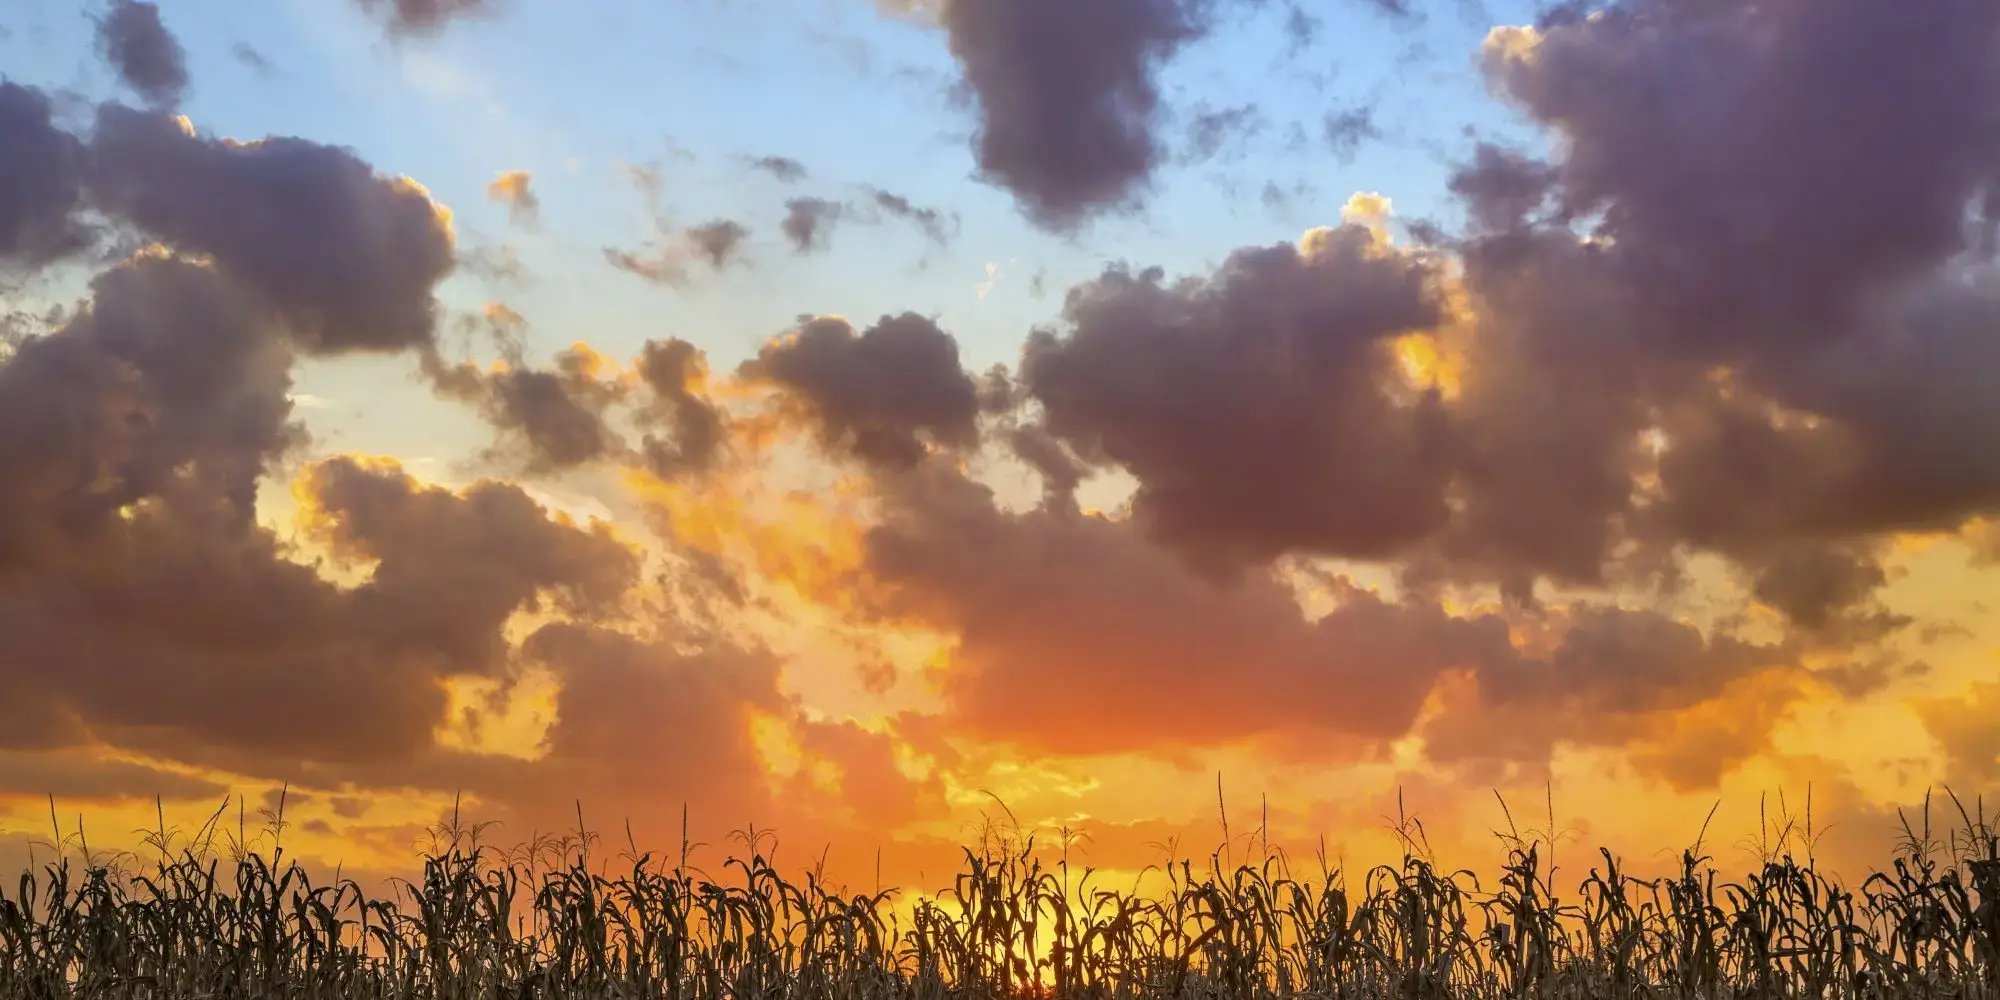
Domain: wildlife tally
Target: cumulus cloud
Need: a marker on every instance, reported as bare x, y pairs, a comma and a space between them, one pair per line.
1755, 207
450, 568
144, 53
1066, 95
170, 375
685, 430
555, 418
1258, 406
637, 713
148, 608
350, 256
41, 180
880, 395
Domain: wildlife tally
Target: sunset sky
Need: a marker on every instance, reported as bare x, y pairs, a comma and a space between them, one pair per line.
869, 419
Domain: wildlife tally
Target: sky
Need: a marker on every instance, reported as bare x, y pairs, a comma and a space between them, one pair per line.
1164, 421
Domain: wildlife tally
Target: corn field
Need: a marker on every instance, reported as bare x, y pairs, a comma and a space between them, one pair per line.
562, 918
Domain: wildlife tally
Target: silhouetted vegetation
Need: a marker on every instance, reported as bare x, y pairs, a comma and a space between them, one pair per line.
206, 916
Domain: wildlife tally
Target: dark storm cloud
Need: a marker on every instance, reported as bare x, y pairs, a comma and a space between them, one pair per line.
1066, 95
685, 432
808, 221
349, 255
144, 53
41, 168
879, 395
1258, 406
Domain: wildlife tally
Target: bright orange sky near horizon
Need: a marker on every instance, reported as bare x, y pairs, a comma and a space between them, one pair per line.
1123, 427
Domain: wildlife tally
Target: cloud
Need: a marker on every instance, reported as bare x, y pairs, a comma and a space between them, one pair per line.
713, 245
512, 189
1258, 406
1963, 727
451, 568
419, 17
41, 180
784, 168
880, 395
1501, 188
1214, 129
719, 242
348, 255
1686, 706
171, 375
555, 418
807, 221
1066, 95
1077, 634
147, 608
930, 221
1345, 131
1762, 335
634, 713
252, 59
1811, 584
144, 53
1397, 9
695, 431
72, 775
1755, 208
